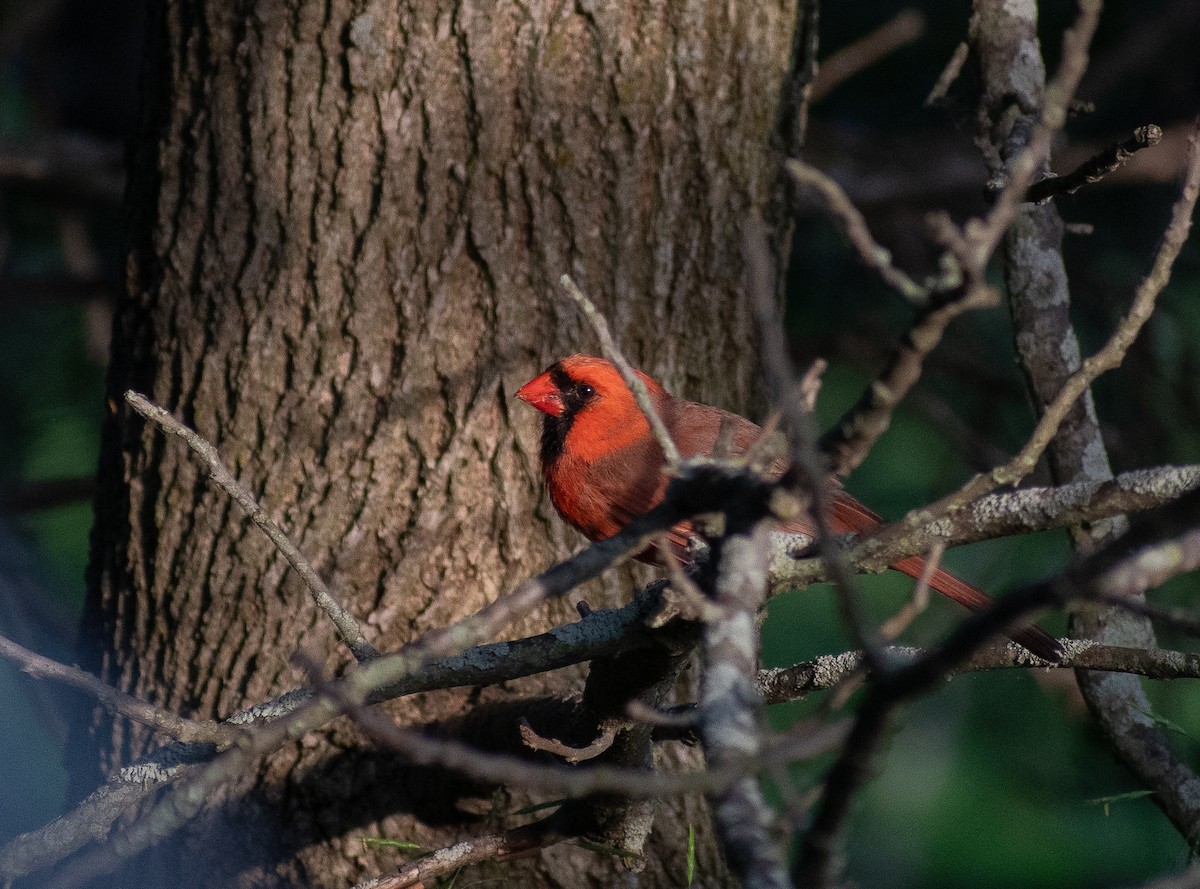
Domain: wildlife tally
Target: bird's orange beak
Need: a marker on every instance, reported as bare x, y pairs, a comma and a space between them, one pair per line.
543, 394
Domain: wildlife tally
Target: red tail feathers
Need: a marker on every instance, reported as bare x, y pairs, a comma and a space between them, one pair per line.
1040, 643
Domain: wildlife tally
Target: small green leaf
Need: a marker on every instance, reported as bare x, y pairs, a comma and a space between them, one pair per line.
1119, 798
537, 807
1163, 722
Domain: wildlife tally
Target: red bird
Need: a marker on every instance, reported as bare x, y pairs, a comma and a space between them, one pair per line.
603, 467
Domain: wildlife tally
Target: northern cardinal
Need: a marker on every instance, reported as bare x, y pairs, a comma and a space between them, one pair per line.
603, 467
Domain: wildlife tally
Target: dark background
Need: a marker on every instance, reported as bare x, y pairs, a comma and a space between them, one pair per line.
999, 779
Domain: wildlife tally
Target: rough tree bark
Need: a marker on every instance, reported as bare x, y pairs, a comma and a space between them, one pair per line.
348, 221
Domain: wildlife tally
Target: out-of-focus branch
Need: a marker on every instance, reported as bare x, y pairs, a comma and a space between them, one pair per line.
807, 475
907, 26
854, 225
949, 74
69, 165
47, 493
731, 722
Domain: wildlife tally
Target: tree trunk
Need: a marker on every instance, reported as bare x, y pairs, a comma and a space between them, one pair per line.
348, 221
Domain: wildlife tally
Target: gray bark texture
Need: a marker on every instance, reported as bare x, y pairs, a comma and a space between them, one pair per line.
348, 221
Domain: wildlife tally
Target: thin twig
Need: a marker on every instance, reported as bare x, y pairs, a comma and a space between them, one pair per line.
949, 74
1096, 168
635, 384
919, 600
854, 225
186, 730
345, 622
908, 25
573, 755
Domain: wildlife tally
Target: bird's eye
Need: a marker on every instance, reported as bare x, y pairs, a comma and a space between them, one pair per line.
585, 391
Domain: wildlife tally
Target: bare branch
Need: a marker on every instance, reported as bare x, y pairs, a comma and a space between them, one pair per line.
907, 26
139, 711
949, 74
782, 684
854, 225
1000, 515
342, 619
573, 755
1096, 168
1158, 547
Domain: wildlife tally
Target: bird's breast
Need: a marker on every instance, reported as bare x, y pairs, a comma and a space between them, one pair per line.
600, 496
